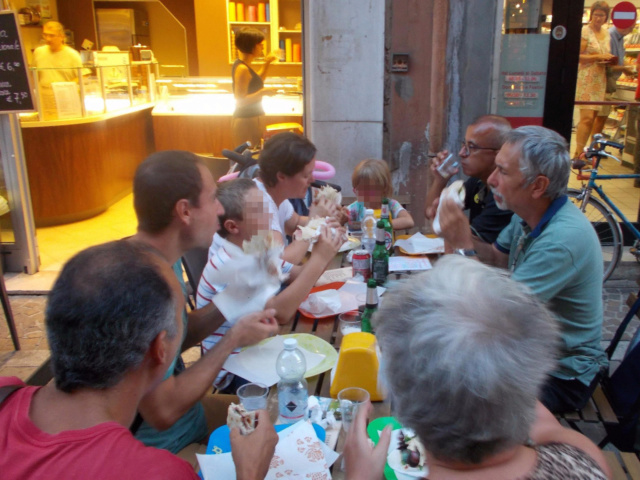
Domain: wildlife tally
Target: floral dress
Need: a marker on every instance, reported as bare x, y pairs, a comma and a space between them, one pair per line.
592, 78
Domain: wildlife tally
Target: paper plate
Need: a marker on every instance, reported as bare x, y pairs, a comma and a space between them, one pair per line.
219, 441
314, 345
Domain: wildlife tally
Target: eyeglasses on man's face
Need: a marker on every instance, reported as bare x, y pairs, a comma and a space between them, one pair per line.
469, 147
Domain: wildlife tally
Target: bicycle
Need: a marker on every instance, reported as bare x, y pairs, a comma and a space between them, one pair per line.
601, 211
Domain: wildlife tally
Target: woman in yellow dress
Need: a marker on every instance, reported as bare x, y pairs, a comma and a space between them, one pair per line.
592, 79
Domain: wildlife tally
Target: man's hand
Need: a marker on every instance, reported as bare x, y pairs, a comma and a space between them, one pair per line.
431, 211
361, 460
435, 163
437, 185
253, 328
252, 453
328, 244
454, 225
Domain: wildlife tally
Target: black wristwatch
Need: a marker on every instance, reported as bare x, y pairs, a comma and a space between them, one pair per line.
466, 252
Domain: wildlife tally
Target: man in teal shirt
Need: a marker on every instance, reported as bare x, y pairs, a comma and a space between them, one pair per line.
174, 197
549, 246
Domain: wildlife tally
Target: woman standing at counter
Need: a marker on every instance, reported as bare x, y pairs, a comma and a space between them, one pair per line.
248, 88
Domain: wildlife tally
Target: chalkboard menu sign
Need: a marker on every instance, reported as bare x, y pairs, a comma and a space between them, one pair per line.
15, 85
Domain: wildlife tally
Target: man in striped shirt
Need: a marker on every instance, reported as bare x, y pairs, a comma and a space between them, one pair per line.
246, 215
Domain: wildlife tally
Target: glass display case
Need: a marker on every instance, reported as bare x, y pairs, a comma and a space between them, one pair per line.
194, 113
91, 90
212, 96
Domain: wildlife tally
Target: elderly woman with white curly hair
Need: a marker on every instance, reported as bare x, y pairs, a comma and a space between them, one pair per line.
465, 351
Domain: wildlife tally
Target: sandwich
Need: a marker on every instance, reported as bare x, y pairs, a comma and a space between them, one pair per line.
238, 416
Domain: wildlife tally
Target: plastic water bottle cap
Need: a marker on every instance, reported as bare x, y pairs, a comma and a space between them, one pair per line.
290, 343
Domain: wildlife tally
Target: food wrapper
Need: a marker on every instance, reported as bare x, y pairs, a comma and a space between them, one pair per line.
329, 194
251, 279
311, 231
455, 192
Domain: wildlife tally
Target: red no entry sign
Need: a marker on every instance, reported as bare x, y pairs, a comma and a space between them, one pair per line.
624, 15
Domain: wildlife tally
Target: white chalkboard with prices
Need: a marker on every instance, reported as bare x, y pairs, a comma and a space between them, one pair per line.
15, 84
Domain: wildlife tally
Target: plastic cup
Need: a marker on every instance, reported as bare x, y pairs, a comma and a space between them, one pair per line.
350, 322
350, 400
448, 166
253, 396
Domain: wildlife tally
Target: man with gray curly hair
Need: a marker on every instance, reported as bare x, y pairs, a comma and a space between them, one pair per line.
551, 247
465, 350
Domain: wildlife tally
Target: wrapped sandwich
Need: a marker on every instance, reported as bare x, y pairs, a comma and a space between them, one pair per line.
455, 192
238, 416
329, 194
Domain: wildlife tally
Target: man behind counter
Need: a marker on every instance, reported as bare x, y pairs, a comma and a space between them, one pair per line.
61, 61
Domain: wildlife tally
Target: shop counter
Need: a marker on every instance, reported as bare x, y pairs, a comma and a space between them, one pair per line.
79, 167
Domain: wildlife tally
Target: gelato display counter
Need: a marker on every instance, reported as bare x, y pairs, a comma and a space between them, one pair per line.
83, 145
195, 113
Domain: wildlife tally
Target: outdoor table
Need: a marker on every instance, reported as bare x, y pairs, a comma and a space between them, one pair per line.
319, 385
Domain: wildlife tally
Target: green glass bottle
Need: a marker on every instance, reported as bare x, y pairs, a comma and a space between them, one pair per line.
371, 305
388, 228
380, 256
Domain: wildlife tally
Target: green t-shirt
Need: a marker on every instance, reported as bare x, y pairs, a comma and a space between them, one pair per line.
561, 263
192, 426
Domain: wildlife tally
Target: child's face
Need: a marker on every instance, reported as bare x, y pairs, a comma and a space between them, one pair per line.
370, 192
255, 215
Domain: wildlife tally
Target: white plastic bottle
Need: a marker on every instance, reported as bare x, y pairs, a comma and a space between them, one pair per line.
369, 231
292, 387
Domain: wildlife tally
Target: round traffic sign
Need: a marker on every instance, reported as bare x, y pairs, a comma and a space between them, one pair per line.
624, 15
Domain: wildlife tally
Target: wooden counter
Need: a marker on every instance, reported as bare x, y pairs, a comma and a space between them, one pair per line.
77, 169
206, 134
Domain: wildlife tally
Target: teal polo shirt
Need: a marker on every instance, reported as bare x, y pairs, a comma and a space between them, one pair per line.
192, 426
560, 260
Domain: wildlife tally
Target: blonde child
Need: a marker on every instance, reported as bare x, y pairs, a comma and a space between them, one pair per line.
371, 182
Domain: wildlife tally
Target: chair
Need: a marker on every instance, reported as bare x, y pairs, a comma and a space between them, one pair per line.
615, 403
194, 261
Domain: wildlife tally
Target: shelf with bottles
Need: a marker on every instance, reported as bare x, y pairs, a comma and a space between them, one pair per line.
279, 20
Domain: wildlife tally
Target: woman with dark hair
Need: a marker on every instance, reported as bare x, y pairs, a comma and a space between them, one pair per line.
595, 53
248, 87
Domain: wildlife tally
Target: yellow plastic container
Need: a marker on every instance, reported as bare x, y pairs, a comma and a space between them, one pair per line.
357, 365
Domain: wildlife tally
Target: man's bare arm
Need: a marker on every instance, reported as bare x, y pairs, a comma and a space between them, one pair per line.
173, 397
201, 323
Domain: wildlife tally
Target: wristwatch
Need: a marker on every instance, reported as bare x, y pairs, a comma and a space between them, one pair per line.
466, 252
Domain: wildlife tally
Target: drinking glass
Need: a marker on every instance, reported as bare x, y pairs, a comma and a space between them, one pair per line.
448, 166
350, 400
253, 396
350, 322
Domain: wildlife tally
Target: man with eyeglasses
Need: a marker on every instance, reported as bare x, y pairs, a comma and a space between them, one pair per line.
551, 248
483, 139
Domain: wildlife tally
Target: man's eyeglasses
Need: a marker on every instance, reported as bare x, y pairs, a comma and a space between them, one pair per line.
469, 147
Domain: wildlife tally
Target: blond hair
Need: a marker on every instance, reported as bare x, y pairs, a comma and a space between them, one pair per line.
376, 172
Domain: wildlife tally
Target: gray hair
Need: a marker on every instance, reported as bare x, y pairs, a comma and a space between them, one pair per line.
107, 305
543, 152
465, 350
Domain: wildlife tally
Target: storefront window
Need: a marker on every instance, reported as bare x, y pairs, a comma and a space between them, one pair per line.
522, 70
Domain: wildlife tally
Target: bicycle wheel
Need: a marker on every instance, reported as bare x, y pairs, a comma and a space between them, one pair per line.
605, 225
